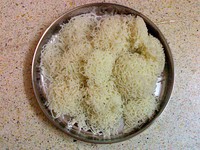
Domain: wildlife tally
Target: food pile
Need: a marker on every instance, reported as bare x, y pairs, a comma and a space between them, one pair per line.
102, 72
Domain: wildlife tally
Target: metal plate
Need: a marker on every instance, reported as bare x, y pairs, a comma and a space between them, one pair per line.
163, 89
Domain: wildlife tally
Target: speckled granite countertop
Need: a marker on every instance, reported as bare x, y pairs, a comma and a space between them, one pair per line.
23, 124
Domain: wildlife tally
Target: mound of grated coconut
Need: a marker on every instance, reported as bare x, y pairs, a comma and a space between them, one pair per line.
102, 71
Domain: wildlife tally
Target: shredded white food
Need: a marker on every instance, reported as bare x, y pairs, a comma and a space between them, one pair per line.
135, 75
112, 34
98, 67
139, 110
104, 107
102, 71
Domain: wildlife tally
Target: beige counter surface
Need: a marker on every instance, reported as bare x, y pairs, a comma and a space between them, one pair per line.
24, 126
